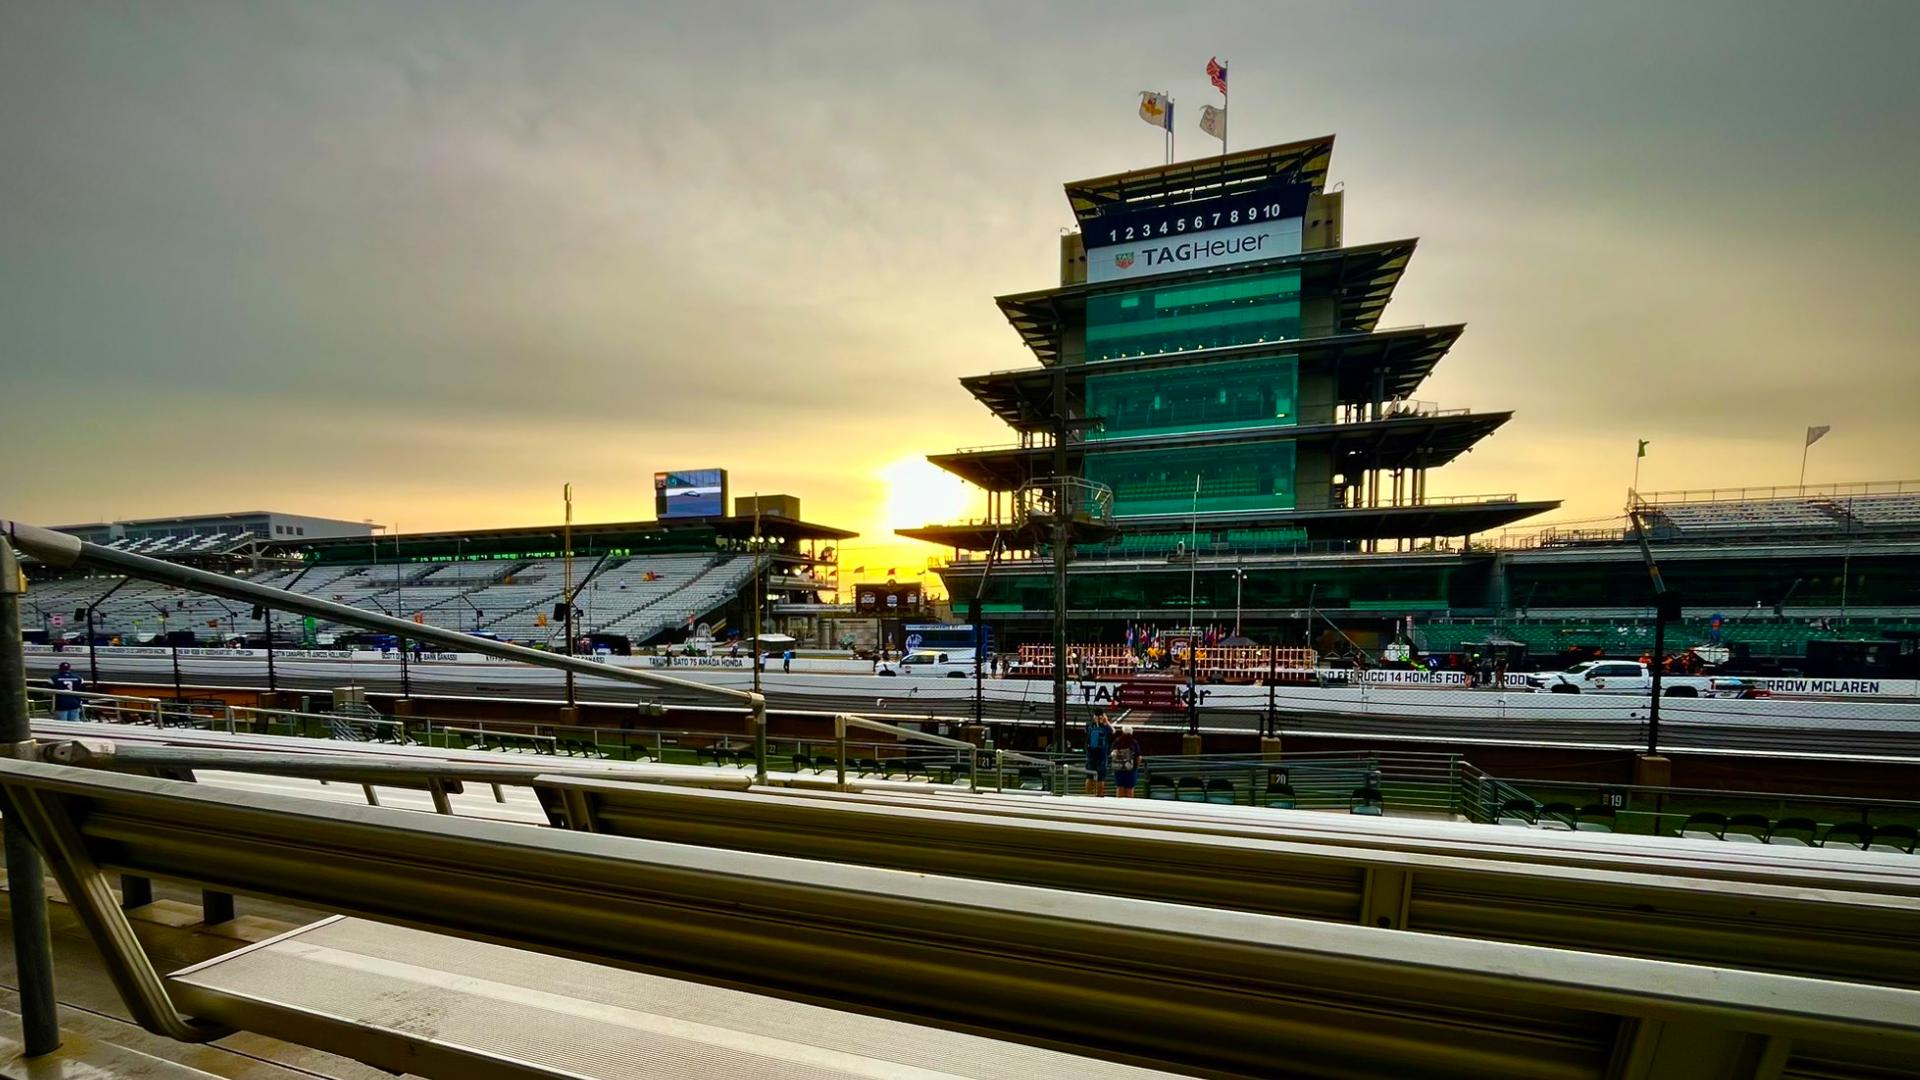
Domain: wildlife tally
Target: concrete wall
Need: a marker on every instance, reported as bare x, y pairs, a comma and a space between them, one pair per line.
1073, 259
1312, 478
1326, 214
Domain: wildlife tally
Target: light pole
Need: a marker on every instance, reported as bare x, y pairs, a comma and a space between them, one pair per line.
1193, 553
93, 654
173, 647
265, 615
1239, 580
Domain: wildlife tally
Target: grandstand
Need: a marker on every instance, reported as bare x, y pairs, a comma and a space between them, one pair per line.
1842, 509
641, 581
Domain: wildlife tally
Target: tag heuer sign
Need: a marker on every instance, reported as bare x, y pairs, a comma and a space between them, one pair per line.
1124, 260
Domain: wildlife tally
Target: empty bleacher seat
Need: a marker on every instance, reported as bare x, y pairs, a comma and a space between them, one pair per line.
1705, 825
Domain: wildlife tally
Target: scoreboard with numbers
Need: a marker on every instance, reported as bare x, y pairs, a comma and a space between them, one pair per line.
1259, 223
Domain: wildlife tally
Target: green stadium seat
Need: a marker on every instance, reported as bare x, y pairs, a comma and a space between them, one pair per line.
1518, 811
1221, 790
1748, 828
1594, 817
1705, 825
1367, 801
1280, 794
1848, 834
1901, 838
1190, 789
1559, 815
1793, 832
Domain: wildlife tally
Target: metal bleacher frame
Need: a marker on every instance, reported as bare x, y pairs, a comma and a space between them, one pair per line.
1814, 925
1195, 990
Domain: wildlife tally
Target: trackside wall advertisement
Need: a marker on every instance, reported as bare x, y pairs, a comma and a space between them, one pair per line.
1262, 223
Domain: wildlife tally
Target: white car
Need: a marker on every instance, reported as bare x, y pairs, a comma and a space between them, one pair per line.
1616, 677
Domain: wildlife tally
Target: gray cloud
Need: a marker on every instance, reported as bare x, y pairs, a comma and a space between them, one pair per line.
582, 238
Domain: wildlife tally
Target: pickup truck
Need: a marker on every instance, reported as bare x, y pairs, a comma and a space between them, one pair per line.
1617, 677
951, 664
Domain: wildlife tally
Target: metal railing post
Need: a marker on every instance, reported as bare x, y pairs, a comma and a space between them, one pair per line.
840, 751
26, 883
757, 712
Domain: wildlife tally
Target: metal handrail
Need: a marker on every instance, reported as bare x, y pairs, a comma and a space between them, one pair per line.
1777, 491
959, 954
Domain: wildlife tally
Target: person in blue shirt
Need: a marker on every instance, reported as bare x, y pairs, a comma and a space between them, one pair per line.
66, 706
1099, 745
786, 661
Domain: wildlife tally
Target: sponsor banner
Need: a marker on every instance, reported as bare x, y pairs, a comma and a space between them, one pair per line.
696, 661
1217, 247
1395, 677
1398, 677
1827, 687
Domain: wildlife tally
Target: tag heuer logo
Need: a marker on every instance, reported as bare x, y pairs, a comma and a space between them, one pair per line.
1124, 260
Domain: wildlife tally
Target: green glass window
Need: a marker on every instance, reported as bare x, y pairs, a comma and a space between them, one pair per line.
1200, 315
1254, 477
1215, 587
1199, 397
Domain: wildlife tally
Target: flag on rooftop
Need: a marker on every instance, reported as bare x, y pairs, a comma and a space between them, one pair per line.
1815, 433
860, 569
1217, 71
1643, 448
1214, 122
1156, 109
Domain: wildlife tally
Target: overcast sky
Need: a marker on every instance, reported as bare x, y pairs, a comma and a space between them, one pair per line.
423, 263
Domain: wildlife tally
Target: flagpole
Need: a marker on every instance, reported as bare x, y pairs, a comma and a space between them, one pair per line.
1808, 445
1225, 114
1170, 143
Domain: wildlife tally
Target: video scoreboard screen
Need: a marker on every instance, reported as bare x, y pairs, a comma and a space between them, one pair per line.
692, 493
1263, 222
888, 599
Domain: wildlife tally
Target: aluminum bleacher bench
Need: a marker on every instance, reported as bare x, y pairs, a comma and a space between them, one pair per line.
1155, 985
434, 1005
1830, 933
1713, 860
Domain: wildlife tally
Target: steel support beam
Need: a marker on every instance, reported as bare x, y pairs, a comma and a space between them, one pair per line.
26, 887
1798, 929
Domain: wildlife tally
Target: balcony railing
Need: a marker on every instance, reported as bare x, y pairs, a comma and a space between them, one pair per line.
1780, 491
1339, 414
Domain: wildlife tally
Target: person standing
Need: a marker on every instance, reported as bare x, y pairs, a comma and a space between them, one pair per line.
1125, 758
66, 706
1099, 744
786, 662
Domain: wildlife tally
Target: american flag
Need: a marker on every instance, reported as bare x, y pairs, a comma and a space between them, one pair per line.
1217, 71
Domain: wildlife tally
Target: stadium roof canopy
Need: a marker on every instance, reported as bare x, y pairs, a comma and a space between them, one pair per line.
1396, 442
1404, 357
1360, 278
671, 534
1303, 162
